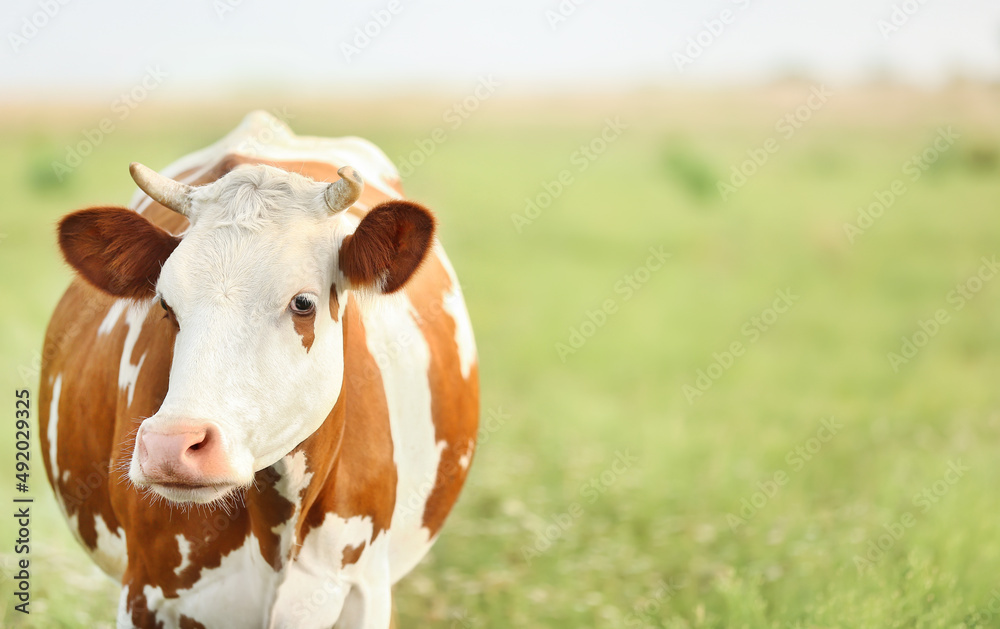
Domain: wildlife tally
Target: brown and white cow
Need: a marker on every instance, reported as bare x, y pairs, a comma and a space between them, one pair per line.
260, 396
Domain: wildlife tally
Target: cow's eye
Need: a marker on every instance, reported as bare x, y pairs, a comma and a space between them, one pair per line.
168, 312
303, 305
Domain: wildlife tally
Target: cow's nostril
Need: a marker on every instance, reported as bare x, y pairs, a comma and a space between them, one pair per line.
202, 441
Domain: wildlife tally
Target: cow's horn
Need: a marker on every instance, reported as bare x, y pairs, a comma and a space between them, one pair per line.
342, 194
164, 190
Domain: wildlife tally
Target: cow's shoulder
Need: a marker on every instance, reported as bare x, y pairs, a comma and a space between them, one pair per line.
453, 376
92, 357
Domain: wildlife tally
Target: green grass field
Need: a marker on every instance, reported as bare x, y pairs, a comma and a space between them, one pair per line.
805, 480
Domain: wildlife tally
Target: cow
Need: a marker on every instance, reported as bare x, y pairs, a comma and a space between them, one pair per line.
259, 395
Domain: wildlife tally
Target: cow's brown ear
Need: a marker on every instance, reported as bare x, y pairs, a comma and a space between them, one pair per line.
116, 249
390, 243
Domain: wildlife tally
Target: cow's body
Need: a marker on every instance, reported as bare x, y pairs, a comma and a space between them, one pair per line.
323, 533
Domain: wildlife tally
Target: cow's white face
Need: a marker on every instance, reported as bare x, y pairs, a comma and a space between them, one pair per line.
256, 288
258, 358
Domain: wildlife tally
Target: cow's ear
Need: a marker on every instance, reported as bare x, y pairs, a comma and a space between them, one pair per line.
390, 243
116, 249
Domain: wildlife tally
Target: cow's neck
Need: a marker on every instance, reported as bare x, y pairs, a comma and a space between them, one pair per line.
284, 497
344, 469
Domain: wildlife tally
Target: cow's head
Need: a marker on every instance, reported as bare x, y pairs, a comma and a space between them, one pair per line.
256, 288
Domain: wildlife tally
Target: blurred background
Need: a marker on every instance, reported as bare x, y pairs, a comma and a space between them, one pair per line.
730, 266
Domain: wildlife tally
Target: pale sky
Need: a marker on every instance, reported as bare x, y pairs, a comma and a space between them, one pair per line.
208, 47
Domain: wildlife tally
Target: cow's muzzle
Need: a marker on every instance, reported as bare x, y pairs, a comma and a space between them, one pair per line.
184, 463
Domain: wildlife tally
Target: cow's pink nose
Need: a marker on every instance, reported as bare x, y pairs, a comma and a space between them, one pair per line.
187, 455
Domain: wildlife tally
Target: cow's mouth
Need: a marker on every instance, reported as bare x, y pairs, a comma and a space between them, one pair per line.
187, 493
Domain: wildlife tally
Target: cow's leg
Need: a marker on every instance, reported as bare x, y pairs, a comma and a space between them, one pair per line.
124, 618
308, 601
133, 612
304, 602
369, 604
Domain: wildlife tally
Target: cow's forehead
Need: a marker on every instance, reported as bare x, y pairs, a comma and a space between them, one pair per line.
258, 197
240, 264
264, 236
